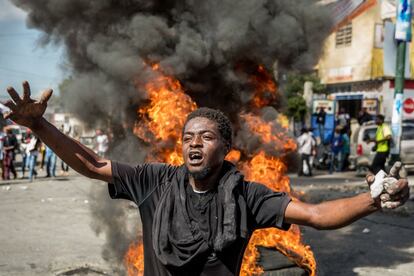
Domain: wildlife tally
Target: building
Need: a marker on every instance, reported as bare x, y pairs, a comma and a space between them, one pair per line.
358, 62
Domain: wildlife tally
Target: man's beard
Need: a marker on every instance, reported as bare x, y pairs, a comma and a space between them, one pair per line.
200, 175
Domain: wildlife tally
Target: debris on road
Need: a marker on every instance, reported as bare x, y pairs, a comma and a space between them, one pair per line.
366, 231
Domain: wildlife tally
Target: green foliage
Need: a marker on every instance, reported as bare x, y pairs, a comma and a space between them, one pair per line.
296, 108
296, 105
295, 83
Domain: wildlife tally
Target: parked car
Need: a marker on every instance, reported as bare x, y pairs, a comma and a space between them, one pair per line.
361, 150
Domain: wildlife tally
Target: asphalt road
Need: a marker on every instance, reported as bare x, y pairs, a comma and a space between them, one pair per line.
45, 229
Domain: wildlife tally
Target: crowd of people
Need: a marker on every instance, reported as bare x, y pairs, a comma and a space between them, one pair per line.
337, 145
35, 156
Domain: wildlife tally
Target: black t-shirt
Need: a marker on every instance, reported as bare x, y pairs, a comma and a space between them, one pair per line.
144, 185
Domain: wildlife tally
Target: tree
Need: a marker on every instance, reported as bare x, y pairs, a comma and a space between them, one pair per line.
296, 105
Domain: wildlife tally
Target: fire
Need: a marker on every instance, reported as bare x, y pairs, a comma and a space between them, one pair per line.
233, 156
270, 133
164, 117
161, 122
271, 171
134, 259
265, 88
283, 121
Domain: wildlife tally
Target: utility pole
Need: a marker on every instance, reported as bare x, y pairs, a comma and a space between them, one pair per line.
402, 36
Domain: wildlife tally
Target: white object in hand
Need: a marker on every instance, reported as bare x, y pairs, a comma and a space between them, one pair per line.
378, 186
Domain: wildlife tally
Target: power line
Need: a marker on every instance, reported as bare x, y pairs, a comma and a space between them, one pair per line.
2, 53
25, 73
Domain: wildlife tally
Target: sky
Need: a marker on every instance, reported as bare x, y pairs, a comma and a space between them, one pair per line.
23, 58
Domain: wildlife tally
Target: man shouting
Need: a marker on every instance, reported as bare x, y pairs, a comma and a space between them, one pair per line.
197, 218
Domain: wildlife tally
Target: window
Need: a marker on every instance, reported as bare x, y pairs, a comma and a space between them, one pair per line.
344, 36
370, 133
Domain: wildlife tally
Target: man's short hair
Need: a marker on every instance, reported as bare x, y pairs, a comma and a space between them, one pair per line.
381, 117
222, 121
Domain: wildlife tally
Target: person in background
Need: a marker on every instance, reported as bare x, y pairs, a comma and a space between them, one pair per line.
2, 138
343, 119
101, 141
9, 147
346, 149
383, 138
314, 148
23, 150
306, 145
50, 162
320, 121
364, 116
42, 154
336, 149
33, 149
66, 129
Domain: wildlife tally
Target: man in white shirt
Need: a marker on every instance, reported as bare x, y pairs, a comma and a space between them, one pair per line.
306, 144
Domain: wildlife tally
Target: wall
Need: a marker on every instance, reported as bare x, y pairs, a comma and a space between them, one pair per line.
354, 62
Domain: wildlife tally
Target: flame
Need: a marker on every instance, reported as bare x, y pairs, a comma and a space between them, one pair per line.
233, 156
271, 171
164, 117
269, 133
134, 259
265, 88
161, 122
283, 121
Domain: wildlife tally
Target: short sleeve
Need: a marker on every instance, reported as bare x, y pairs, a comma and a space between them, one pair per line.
266, 206
136, 183
386, 131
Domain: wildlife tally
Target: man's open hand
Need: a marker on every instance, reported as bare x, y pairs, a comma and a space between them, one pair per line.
395, 190
26, 111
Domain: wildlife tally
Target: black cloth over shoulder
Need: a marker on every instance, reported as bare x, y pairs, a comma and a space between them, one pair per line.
176, 239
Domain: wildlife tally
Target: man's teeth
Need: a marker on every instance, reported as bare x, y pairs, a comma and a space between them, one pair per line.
195, 156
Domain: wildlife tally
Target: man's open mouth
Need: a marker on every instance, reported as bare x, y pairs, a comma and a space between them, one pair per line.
195, 157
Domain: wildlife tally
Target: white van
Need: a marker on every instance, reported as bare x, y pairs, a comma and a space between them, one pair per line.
361, 155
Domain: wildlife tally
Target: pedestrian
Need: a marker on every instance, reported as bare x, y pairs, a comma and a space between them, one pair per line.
50, 162
346, 150
336, 149
101, 142
2, 138
364, 116
33, 149
197, 218
383, 139
9, 147
306, 145
66, 129
343, 119
320, 121
42, 155
23, 150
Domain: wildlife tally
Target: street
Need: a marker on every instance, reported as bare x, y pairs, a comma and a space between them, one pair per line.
46, 230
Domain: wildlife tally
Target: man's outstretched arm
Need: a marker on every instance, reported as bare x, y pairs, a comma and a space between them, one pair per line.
28, 112
331, 214
387, 192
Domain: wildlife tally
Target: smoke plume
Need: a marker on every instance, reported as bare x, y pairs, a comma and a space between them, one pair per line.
209, 46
